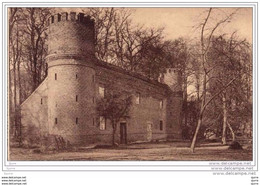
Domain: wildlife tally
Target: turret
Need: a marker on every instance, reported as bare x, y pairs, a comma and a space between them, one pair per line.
71, 76
172, 77
71, 33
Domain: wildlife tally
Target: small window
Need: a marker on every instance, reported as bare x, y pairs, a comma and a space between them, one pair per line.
102, 92
55, 76
59, 17
41, 101
138, 98
56, 120
76, 76
52, 19
76, 98
102, 123
161, 104
77, 119
161, 125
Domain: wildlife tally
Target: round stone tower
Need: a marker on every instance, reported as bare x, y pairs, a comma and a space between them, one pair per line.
71, 76
173, 79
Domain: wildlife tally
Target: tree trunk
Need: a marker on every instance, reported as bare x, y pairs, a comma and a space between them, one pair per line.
15, 104
224, 130
12, 22
184, 105
20, 101
10, 97
196, 134
202, 108
232, 132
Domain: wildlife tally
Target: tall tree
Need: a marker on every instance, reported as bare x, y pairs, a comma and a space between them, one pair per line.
229, 56
27, 51
14, 56
206, 35
35, 27
114, 106
121, 42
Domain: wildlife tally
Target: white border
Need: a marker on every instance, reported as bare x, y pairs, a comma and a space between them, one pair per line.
126, 165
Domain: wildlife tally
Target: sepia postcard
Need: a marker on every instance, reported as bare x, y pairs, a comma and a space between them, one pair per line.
168, 85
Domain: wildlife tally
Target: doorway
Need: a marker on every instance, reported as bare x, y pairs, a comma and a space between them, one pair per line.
149, 131
123, 134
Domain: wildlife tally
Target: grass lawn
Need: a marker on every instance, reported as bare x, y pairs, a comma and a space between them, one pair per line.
167, 151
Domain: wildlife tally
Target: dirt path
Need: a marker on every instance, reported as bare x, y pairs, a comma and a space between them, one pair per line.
147, 151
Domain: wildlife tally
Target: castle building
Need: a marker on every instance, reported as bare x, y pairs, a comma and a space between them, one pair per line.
64, 104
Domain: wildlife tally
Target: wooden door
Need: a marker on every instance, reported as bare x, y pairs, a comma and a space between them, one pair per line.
123, 135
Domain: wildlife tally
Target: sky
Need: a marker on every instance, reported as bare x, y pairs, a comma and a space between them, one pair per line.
179, 22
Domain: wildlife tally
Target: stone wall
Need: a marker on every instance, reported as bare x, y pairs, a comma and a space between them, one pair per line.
34, 110
148, 111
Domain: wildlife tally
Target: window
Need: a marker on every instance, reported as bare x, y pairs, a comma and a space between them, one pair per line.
76, 76
161, 125
138, 98
102, 92
76, 98
59, 17
102, 123
161, 104
56, 120
41, 101
55, 76
77, 120
52, 19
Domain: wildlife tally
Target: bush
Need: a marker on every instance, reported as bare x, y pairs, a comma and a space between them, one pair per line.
31, 136
37, 151
235, 146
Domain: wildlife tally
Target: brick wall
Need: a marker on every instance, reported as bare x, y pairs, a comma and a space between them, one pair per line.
34, 110
70, 36
71, 106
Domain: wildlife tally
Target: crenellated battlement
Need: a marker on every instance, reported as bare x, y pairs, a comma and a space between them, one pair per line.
71, 34
72, 16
